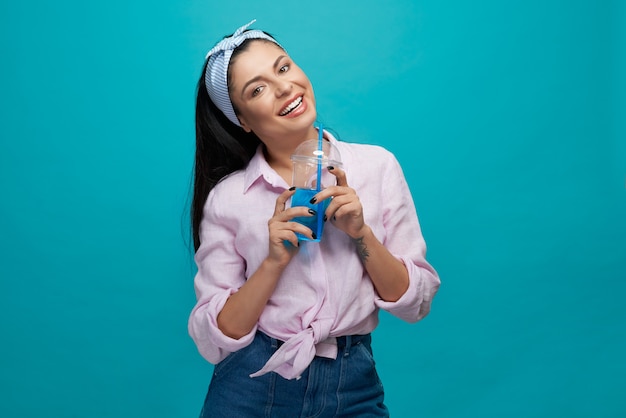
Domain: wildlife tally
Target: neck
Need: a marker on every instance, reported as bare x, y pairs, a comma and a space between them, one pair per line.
278, 151
278, 155
277, 159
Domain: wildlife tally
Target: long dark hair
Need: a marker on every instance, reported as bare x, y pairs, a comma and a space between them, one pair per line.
221, 147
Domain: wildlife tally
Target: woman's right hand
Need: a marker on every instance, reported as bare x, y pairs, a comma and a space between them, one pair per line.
283, 243
242, 310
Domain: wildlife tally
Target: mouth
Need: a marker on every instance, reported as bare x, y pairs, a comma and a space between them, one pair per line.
293, 105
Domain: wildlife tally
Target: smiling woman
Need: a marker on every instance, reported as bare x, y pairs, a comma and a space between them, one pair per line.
287, 321
272, 97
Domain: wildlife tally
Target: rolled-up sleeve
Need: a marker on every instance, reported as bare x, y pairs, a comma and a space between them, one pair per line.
221, 272
403, 239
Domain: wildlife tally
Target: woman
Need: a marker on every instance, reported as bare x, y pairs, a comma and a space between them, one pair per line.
288, 322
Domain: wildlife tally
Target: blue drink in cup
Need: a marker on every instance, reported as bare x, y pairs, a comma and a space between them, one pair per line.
310, 175
302, 197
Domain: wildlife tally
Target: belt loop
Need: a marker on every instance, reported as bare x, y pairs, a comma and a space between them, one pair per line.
274, 343
348, 345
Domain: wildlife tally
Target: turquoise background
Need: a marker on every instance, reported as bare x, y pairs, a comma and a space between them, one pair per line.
508, 118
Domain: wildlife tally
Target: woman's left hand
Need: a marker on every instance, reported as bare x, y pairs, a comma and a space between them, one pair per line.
345, 210
388, 274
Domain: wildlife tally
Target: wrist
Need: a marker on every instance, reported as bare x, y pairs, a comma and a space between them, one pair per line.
362, 233
362, 242
273, 267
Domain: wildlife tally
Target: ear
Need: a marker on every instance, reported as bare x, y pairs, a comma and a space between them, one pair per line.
243, 124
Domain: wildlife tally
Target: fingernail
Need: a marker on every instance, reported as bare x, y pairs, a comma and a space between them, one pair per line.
334, 218
325, 218
292, 188
313, 200
312, 212
314, 235
330, 168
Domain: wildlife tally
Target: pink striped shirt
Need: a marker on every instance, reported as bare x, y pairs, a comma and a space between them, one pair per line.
324, 292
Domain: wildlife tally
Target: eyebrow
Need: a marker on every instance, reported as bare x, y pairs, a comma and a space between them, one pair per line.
258, 77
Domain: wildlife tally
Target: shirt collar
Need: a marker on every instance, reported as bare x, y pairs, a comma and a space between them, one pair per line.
257, 169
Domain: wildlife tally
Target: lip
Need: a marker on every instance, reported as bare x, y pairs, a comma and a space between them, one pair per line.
296, 112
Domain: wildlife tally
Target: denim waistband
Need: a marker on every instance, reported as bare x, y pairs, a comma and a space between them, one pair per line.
350, 340
345, 341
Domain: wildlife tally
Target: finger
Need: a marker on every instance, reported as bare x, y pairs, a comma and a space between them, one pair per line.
298, 228
287, 232
339, 174
294, 212
330, 193
282, 222
343, 205
281, 200
333, 191
341, 197
288, 239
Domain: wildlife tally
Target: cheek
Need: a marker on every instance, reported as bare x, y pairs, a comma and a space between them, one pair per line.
307, 83
253, 114
258, 109
302, 77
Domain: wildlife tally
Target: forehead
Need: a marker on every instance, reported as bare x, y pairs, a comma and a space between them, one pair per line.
257, 57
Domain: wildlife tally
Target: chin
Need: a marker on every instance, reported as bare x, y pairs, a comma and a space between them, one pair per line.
304, 121
310, 119
311, 114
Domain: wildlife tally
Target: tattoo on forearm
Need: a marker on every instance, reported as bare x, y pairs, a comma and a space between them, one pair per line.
361, 249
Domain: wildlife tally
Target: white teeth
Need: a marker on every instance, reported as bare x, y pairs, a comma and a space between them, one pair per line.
291, 106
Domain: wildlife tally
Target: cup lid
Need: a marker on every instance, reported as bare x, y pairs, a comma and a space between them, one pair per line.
309, 151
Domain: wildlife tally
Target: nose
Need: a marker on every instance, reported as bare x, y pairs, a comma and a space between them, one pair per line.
283, 87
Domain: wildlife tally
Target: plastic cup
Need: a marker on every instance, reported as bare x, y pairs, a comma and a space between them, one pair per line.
310, 175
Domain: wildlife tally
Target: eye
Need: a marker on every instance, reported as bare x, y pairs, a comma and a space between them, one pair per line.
284, 68
256, 91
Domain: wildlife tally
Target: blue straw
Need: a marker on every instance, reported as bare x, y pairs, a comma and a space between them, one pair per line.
320, 148
318, 187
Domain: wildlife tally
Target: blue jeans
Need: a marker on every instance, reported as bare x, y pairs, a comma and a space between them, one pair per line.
348, 386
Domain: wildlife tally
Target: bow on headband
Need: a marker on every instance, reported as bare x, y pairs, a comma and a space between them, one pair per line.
216, 76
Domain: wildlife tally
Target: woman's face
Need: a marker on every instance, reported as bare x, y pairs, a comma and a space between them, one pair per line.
273, 96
